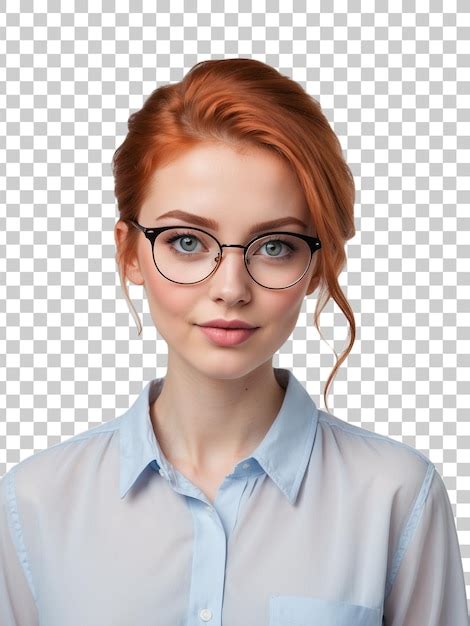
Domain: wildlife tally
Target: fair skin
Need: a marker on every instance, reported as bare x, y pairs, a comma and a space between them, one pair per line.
218, 403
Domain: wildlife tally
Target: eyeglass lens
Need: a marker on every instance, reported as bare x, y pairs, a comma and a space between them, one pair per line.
184, 255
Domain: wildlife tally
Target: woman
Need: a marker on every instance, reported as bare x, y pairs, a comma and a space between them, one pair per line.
223, 495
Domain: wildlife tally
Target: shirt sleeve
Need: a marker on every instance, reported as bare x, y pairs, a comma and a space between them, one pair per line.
17, 604
429, 587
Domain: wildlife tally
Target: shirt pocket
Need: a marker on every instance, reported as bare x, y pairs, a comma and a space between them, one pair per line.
308, 611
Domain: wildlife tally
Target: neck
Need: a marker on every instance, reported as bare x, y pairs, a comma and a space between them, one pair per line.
205, 424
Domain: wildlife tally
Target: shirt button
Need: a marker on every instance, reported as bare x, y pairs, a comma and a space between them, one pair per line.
205, 614
162, 473
246, 465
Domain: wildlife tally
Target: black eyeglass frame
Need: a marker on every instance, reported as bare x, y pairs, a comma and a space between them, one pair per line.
152, 233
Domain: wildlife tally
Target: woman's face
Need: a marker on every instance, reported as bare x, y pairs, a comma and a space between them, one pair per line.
236, 190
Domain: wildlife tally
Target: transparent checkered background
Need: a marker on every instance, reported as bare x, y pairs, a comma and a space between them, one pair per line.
393, 83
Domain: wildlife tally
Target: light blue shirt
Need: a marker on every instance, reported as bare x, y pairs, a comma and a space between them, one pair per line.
325, 523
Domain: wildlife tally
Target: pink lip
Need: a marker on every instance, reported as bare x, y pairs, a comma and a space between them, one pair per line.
221, 323
230, 337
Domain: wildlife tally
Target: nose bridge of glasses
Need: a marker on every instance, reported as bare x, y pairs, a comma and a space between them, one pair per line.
231, 245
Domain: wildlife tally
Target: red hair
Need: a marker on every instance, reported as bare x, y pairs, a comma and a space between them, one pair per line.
243, 103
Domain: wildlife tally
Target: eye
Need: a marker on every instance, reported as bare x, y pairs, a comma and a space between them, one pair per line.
185, 236
275, 244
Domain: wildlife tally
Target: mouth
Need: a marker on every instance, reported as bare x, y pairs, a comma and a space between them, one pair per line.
227, 336
233, 324
232, 327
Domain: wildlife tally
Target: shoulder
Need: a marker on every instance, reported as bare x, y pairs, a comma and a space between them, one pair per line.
397, 468
383, 481
53, 469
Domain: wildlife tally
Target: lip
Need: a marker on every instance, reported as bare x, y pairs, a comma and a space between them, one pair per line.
227, 337
221, 323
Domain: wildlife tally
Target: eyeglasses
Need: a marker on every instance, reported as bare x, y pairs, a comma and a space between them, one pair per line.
202, 254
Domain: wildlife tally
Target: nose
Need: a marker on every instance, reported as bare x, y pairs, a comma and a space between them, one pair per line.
231, 273
238, 261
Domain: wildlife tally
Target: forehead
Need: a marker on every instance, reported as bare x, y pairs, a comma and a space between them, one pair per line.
211, 161
224, 183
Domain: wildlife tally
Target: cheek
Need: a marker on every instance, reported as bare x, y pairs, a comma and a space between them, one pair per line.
170, 310
284, 316
286, 307
168, 300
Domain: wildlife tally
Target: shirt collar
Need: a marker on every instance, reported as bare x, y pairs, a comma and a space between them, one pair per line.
283, 453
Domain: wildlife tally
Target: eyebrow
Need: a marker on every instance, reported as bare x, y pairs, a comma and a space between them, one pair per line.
212, 224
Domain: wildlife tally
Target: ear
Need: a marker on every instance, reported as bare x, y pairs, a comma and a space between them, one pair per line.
132, 271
